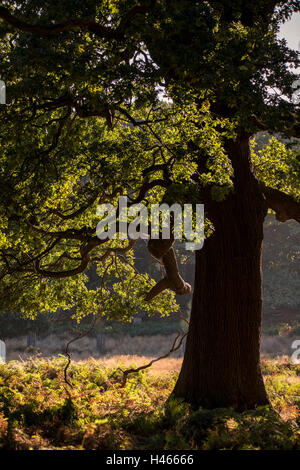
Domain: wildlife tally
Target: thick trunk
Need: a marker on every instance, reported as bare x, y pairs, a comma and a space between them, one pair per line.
221, 365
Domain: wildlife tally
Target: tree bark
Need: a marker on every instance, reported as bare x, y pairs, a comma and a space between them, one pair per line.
221, 366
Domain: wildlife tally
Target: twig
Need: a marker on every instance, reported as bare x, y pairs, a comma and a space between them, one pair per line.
82, 334
184, 319
146, 366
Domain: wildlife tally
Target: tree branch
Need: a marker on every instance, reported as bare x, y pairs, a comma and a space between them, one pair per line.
285, 206
164, 249
175, 346
99, 30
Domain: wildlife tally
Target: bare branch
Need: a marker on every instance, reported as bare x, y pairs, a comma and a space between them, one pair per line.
175, 347
164, 249
80, 335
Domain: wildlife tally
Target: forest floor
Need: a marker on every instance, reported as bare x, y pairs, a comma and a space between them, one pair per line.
38, 410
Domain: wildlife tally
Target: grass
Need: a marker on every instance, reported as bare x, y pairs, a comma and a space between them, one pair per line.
86, 347
125, 345
38, 411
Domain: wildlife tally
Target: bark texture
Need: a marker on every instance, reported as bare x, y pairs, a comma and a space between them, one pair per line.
221, 365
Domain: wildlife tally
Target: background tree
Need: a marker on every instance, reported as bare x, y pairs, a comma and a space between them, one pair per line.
75, 75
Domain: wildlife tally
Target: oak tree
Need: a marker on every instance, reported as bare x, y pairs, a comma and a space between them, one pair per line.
158, 100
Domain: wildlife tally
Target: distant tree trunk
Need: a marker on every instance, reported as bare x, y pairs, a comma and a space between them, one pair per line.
31, 340
221, 365
100, 343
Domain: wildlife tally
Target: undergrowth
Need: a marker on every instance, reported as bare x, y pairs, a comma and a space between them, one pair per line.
38, 411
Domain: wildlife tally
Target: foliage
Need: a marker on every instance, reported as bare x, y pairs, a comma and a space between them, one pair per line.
72, 134
280, 290
278, 166
37, 411
86, 123
13, 325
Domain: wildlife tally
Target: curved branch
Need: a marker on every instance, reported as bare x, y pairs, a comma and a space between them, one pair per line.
146, 187
175, 346
162, 285
104, 32
84, 261
82, 234
282, 204
164, 249
62, 274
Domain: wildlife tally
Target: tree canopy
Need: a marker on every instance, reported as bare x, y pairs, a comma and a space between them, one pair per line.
110, 98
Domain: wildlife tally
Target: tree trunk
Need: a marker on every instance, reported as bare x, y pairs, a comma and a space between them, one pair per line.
100, 343
31, 340
221, 366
